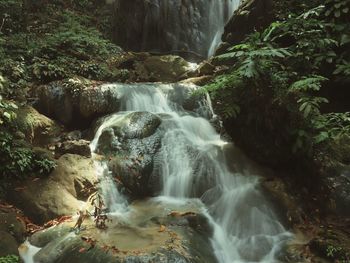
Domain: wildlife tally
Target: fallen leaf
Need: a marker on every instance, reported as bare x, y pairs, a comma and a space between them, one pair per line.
161, 228
82, 250
18, 189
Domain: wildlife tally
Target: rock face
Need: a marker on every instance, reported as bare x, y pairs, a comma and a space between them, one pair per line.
12, 232
151, 68
170, 26
37, 128
339, 185
75, 102
162, 68
251, 15
79, 147
131, 143
59, 194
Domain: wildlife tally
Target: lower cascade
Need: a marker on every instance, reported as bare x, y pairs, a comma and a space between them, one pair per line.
158, 156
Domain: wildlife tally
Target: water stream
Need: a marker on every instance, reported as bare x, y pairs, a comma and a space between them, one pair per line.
173, 26
192, 164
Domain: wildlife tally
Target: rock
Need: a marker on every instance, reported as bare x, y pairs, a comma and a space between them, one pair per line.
44, 237
145, 67
252, 15
161, 68
199, 81
37, 128
291, 209
131, 143
12, 233
205, 68
76, 102
10, 224
8, 244
332, 243
91, 101
59, 194
338, 184
155, 25
74, 135
80, 147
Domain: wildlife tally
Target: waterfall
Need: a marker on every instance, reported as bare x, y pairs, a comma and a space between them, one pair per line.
185, 27
192, 164
219, 15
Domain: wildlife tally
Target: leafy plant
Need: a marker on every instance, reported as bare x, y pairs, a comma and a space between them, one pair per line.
9, 259
18, 160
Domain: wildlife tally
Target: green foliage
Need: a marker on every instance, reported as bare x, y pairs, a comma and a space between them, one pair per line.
278, 78
306, 84
11, 16
56, 45
9, 259
337, 9
18, 160
337, 253
7, 113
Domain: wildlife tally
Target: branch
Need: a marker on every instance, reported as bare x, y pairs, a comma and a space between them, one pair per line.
2, 24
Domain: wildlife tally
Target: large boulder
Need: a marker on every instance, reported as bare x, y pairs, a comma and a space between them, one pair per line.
80, 147
61, 193
161, 68
250, 16
76, 102
130, 144
145, 67
37, 128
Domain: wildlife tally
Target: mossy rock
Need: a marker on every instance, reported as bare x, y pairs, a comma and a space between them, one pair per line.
37, 128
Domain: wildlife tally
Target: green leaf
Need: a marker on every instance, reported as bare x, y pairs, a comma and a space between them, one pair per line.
7, 115
321, 137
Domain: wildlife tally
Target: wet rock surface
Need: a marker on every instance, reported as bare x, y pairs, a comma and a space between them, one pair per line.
75, 102
156, 20
61, 193
131, 145
150, 232
251, 15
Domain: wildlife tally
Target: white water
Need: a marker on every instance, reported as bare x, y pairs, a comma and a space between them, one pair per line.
193, 26
114, 201
192, 165
27, 252
218, 17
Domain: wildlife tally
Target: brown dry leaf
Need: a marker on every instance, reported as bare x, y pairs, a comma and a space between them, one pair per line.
35, 179
175, 214
6, 206
18, 189
161, 228
83, 249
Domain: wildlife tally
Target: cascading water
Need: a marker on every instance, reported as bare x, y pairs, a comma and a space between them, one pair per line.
172, 26
192, 164
218, 17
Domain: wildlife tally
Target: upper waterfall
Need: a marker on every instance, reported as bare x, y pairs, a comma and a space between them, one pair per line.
172, 26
